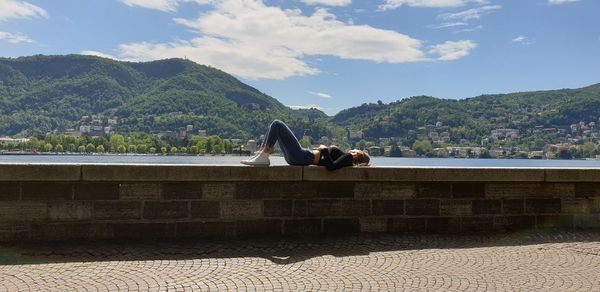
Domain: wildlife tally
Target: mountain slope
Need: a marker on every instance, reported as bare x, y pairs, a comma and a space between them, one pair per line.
474, 118
44, 93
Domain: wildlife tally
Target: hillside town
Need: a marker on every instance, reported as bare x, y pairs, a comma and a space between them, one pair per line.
579, 140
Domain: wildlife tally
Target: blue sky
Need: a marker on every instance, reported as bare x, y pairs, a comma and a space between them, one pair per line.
331, 54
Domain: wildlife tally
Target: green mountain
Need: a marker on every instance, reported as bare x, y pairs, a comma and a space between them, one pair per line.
473, 119
39, 94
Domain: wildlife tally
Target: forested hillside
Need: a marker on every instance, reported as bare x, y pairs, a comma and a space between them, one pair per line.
474, 118
40, 94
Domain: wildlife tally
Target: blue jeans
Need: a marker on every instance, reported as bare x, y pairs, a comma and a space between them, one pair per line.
293, 153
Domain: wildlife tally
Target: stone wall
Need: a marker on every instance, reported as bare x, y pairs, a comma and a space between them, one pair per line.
147, 202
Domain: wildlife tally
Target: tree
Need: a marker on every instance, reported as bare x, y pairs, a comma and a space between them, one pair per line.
183, 150
115, 141
132, 149
81, 149
142, 148
152, 150
90, 148
47, 147
422, 147
173, 150
121, 149
304, 143
589, 149
58, 148
163, 150
100, 149
71, 147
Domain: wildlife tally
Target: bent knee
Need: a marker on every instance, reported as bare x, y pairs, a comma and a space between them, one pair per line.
277, 122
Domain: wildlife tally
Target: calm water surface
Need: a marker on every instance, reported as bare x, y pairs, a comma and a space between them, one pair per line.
278, 160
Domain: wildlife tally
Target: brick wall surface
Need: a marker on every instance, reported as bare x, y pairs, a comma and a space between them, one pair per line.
157, 208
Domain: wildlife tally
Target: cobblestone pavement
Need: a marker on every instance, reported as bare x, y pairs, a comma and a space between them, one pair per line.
557, 260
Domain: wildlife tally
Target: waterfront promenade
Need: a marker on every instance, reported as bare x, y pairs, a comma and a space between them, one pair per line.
525, 261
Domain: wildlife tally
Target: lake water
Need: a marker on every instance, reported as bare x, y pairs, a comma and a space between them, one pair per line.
278, 160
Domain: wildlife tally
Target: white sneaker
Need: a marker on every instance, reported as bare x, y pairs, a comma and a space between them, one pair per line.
260, 159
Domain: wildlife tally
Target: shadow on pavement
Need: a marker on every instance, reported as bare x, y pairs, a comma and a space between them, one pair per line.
280, 250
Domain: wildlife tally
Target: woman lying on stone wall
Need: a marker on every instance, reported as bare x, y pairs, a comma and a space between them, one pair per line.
330, 157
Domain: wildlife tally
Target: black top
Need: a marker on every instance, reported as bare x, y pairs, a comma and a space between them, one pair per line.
334, 158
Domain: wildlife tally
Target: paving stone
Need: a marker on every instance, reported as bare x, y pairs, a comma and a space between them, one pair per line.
260, 227
341, 226
512, 223
193, 230
302, 226
554, 221
407, 224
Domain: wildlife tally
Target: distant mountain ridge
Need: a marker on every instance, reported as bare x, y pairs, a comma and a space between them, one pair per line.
474, 118
39, 94
44, 93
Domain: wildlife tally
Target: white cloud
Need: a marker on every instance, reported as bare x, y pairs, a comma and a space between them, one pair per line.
393, 4
253, 40
446, 25
98, 54
473, 13
19, 9
320, 94
523, 40
557, 2
519, 39
162, 5
451, 50
14, 38
328, 2
470, 29
308, 106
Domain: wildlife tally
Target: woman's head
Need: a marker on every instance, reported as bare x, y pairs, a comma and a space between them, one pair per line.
359, 157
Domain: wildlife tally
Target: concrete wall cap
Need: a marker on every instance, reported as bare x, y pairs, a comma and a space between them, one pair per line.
40, 172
